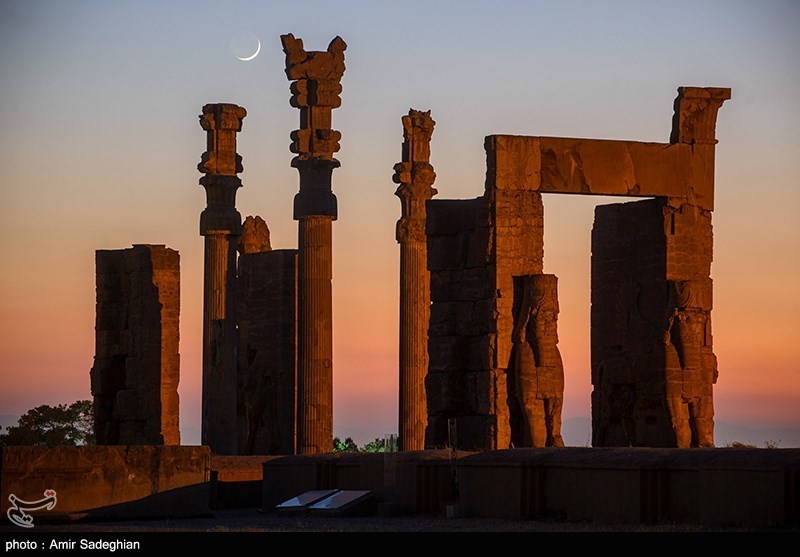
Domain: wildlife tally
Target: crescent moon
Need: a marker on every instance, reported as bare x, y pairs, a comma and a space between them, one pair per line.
248, 58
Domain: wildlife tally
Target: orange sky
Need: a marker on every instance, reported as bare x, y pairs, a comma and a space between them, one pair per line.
100, 143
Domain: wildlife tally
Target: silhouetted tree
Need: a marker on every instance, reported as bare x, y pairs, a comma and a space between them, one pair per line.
348, 446
53, 425
377, 445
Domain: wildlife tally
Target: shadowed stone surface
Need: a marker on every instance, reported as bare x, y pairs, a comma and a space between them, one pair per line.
537, 373
475, 249
136, 367
415, 177
407, 482
653, 365
221, 225
726, 487
109, 482
315, 91
267, 355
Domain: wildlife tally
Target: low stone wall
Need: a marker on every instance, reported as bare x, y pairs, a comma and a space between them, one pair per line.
403, 483
236, 481
723, 487
114, 481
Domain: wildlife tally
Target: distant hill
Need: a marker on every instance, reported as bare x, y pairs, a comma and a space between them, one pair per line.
786, 438
577, 432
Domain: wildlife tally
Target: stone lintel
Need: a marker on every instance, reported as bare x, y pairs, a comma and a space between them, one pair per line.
601, 167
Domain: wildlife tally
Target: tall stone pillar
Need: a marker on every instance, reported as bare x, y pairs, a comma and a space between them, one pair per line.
653, 362
315, 91
136, 364
221, 224
415, 176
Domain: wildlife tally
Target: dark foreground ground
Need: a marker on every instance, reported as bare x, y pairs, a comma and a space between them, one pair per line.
250, 520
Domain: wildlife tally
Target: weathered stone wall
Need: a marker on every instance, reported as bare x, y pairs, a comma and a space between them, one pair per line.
267, 380
475, 249
407, 482
109, 482
137, 366
723, 487
652, 358
516, 248
691, 366
459, 383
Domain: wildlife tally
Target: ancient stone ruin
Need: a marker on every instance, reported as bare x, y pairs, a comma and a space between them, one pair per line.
267, 317
479, 363
315, 91
536, 372
221, 225
475, 249
653, 364
136, 365
415, 177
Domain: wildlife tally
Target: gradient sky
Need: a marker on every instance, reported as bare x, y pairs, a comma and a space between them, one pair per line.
100, 140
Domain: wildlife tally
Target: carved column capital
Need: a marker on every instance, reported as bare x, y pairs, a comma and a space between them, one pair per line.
415, 175
695, 117
221, 121
220, 165
316, 90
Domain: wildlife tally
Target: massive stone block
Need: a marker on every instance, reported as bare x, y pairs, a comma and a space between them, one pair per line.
267, 369
137, 366
110, 482
653, 364
681, 169
475, 249
726, 487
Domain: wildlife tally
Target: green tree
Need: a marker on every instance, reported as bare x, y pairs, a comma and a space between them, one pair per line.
348, 446
53, 425
377, 445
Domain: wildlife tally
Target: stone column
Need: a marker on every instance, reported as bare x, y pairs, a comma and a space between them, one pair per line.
415, 176
315, 91
221, 224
